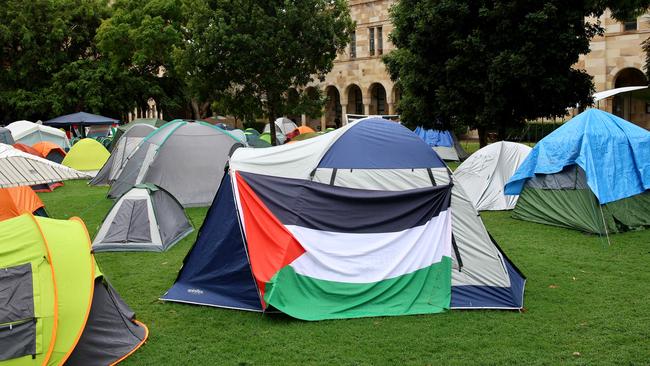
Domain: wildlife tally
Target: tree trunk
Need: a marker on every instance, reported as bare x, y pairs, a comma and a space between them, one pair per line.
199, 110
482, 137
274, 140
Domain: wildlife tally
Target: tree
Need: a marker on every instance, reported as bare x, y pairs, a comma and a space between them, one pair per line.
491, 64
242, 50
39, 38
137, 45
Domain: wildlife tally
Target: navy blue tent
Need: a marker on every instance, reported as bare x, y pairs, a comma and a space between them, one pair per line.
80, 118
216, 271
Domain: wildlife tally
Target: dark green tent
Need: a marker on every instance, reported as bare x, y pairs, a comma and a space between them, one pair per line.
123, 128
564, 199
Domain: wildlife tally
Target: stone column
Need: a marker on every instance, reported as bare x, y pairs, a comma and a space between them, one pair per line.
303, 120
323, 122
366, 108
391, 108
344, 111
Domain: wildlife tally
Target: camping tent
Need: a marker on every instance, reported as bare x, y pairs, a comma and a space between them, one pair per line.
6, 137
486, 171
50, 151
280, 229
591, 174
57, 308
253, 139
16, 201
305, 129
444, 143
18, 168
146, 218
186, 159
125, 146
87, 155
121, 130
29, 133
284, 129
46, 187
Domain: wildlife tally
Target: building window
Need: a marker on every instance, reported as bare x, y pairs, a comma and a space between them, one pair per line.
353, 45
629, 25
371, 38
380, 41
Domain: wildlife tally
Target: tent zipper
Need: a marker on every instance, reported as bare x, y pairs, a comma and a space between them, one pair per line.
11, 325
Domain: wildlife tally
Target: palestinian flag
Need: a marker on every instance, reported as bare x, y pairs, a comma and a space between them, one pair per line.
319, 251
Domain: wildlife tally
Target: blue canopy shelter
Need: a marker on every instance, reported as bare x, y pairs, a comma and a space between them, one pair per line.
81, 119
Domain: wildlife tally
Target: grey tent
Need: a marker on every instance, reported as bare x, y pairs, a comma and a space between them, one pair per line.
6, 137
146, 218
187, 159
111, 331
121, 130
124, 147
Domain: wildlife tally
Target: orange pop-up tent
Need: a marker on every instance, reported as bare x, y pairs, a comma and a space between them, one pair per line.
19, 200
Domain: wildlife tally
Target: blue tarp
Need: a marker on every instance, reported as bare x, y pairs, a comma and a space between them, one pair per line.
435, 137
614, 153
376, 143
81, 118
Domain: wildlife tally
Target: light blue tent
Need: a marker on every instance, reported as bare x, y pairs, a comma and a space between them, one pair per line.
443, 142
591, 174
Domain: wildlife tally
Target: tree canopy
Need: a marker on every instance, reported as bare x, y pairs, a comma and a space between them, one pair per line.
492, 64
39, 39
255, 50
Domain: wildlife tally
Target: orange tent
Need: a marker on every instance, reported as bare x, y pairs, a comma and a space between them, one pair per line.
305, 129
32, 150
28, 149
50, 151
19, 200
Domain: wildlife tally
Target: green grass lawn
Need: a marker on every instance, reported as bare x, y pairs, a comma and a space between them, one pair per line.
586, 303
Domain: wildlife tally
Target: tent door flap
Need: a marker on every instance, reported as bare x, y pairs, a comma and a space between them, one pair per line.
17, 321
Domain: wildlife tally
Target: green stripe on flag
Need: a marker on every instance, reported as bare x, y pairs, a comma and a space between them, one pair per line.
425, 291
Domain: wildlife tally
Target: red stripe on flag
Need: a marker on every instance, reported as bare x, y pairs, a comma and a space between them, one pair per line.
270, 245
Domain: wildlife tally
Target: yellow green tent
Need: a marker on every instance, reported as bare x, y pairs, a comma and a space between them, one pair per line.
55, 306
87, 155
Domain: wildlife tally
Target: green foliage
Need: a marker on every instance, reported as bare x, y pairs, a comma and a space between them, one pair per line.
37, 40
582, 295
488, 64
138, 42
255, 50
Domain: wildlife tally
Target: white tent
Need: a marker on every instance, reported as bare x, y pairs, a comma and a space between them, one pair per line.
146, 218
283, 127
484, 174
29, 133
21, 169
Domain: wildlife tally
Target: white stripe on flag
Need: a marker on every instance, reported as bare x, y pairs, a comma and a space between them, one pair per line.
367, 258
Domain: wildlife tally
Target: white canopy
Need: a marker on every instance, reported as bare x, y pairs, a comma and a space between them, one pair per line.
21, 169
611, 92
29, 133
484, 174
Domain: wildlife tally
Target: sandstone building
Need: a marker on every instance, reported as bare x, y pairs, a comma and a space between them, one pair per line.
359, 83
